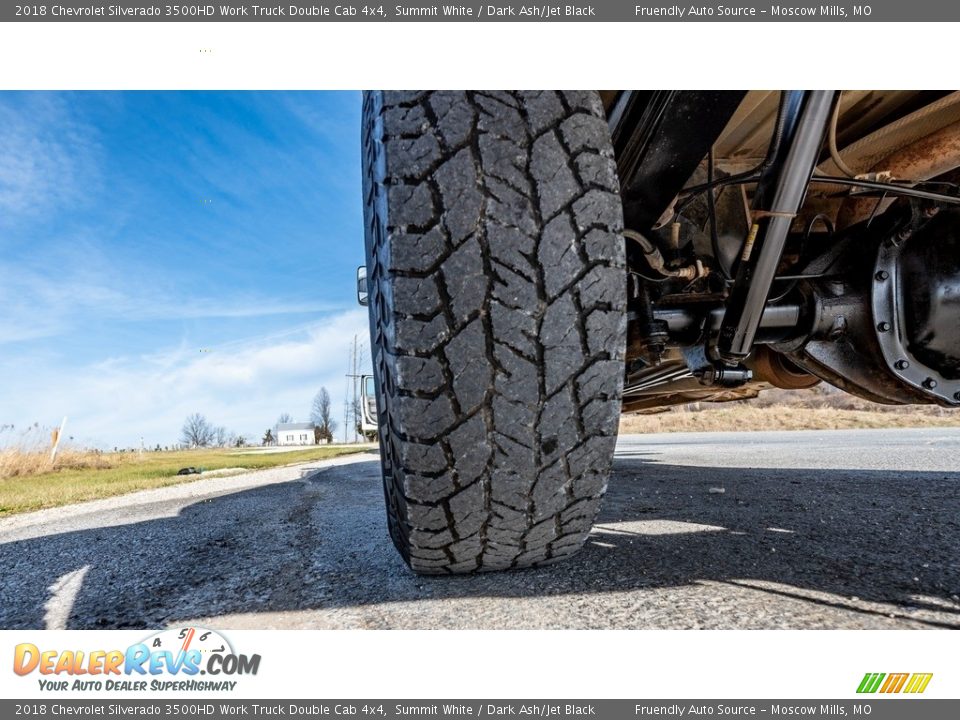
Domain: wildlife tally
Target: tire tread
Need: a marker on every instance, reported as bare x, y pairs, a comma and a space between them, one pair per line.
497, 308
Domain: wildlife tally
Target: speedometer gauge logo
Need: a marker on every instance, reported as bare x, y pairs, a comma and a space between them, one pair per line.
185, 639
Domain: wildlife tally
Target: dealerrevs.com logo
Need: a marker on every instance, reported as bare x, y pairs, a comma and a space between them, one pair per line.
183, 654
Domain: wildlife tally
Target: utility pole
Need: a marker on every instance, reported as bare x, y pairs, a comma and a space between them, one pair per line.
353, 405
351, 417
346, 405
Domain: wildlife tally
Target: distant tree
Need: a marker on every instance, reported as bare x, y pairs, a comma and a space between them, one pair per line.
220, 436
268, 437
197, 431
239, 441
323, 423
284, 418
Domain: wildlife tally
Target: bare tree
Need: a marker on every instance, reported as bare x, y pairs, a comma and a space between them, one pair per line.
220, 436
284, 418
323, 423
196, 431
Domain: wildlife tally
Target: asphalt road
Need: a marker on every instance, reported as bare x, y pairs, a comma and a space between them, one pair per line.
853, 529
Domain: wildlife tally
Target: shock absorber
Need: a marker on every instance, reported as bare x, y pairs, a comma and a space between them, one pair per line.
779, 195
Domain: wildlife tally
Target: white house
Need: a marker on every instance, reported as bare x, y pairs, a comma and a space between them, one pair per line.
294, 434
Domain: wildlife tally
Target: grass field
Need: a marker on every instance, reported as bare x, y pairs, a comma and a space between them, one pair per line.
28, 483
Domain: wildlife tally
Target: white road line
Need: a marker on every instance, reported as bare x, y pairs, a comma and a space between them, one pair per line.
64, 594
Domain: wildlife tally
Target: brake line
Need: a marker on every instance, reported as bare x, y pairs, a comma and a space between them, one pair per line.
832, 140
895, 188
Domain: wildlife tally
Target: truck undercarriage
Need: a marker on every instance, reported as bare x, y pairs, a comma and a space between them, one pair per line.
760, 254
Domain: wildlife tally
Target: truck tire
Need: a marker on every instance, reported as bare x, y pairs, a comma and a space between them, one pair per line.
497, 296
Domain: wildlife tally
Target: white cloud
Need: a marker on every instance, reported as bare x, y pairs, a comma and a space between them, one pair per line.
40, 303
47, 157
243, 386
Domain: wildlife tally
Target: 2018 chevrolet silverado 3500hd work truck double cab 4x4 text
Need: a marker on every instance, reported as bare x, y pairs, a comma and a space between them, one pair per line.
540, 262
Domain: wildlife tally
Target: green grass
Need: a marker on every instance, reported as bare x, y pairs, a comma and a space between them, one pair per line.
112, 474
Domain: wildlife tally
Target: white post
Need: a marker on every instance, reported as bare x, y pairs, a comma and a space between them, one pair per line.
56, 441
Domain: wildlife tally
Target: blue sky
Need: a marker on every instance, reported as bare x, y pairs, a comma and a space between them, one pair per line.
169, 253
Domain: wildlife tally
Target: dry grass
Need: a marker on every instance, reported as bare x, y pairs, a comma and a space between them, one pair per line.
16, 462
27, 453
745, 417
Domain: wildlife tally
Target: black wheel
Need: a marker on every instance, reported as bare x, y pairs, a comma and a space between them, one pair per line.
497, 293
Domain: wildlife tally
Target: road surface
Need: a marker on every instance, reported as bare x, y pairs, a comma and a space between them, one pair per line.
843, 529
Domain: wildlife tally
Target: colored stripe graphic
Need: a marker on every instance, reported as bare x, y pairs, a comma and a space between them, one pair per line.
918, 682
894, 683
870, 682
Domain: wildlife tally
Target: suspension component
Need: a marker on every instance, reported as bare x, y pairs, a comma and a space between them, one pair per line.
788, 178
724, 376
